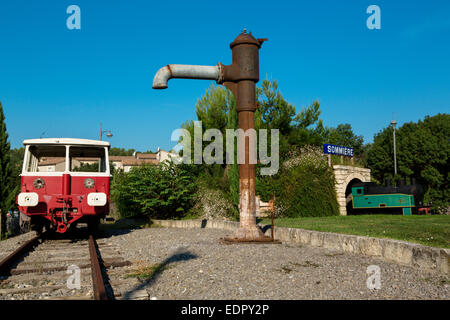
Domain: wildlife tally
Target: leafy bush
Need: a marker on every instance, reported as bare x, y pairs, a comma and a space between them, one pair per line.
213, 203
163, 191
305, 186
214, 198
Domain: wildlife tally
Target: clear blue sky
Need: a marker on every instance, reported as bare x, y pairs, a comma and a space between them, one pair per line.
65, 82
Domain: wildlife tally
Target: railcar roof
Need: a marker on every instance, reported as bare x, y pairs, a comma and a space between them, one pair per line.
67, 141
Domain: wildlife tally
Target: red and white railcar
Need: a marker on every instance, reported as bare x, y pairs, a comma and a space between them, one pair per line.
64, 181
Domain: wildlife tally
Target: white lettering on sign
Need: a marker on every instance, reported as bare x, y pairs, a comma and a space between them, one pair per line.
338, 150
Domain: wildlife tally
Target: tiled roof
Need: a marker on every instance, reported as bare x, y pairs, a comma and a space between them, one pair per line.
136, 162
51, 161
146, 156
121, 158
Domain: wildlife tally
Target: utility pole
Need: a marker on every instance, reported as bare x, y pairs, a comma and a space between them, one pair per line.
393, 122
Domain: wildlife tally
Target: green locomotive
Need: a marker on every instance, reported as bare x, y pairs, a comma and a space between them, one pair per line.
370, 197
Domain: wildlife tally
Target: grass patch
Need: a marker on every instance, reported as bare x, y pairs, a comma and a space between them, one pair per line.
428, 230
144, 272
190, 216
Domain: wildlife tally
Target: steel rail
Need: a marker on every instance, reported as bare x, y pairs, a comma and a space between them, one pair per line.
9, 260
97, 278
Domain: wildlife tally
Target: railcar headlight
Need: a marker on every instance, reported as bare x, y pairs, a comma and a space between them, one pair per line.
89, 183
97, 199
39, 183
28, 199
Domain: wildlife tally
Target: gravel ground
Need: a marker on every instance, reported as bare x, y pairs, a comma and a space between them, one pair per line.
9, 245
195, 265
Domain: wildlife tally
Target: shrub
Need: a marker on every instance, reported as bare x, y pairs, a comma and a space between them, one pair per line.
305, 186
213, 203
214, 198
162, 191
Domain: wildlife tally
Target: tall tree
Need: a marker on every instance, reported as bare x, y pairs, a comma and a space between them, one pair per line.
233, 169
121, 152
5, 171
16, 161
213, 110
423, 151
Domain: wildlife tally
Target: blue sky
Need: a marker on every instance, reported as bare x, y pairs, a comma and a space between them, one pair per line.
65, 82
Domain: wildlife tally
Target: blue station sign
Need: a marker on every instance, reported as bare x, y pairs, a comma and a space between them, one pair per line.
338, 150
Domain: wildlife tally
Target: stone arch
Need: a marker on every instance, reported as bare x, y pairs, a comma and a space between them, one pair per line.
352, 180
345, 176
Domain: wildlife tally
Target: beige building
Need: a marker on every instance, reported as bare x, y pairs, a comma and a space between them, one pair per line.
53, 164
125, 163
163, 155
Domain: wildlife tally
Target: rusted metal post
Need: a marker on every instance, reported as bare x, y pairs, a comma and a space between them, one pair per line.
241, 78
272, 226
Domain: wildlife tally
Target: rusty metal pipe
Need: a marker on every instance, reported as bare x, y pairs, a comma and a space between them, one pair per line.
183, 71
240, 77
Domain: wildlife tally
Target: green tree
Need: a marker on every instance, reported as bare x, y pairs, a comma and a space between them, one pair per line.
273, 112
212, 109
217, 110
422, 153
296, 128
6, 196
305, 186
233, 169
121, 152
308, 127
16, 158
158, 191
343, 135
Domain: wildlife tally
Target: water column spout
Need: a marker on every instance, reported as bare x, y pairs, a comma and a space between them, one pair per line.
183, 71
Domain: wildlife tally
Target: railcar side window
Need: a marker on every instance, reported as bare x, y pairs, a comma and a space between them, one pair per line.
42, 158
87, 159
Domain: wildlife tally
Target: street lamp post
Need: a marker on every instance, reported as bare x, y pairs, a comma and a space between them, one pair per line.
108, 132
393, 123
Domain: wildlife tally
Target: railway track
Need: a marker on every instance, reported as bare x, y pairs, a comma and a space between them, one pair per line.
53, 267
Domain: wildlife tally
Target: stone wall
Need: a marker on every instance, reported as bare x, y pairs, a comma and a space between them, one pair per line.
343, 175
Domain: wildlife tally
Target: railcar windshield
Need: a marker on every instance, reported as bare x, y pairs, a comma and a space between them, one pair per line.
45, 158
87, 159
51, 158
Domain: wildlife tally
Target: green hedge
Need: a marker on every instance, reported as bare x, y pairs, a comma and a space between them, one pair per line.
163, 191
304, 186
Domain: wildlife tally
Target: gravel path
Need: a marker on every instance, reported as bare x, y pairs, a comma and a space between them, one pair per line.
9, 245
195, 265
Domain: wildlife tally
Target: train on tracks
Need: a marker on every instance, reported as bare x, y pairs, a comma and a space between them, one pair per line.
64, 181
368, 197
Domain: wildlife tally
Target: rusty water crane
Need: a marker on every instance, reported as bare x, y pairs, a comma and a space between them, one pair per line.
240, 77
